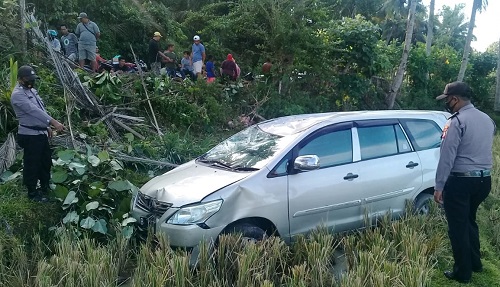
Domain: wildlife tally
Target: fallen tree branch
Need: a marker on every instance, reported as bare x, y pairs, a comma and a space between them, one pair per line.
124, 126
146, 91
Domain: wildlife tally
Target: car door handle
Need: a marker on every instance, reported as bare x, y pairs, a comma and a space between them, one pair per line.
411, 164
350, 176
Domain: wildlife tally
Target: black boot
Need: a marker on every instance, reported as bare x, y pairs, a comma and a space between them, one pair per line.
43, 194
32, 193
35, 195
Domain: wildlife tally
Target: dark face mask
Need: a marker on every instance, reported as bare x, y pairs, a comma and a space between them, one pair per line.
28, 84
449, 108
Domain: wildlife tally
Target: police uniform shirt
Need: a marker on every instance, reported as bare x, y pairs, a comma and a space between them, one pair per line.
30, 111
467, 143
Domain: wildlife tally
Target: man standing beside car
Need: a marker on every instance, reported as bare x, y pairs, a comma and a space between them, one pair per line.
463, 176
33, 132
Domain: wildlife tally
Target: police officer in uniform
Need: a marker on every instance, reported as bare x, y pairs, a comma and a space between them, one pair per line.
33, 132
463, 178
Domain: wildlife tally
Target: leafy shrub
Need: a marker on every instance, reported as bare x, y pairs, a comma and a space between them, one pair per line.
92, 190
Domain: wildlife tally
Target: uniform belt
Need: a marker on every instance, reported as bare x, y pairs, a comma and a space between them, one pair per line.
472, 173
34, 128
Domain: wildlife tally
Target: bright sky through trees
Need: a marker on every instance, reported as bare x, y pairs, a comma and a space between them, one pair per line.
487, 30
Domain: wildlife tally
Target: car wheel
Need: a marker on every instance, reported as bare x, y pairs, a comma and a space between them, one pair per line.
422, 204
249, 232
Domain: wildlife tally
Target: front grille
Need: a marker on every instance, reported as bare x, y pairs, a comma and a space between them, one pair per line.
151, 205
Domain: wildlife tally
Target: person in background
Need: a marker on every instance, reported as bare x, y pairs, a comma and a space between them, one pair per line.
155, 55
33, 133
98, 57
463, 176
54, 42
238, 70
186, 65
210, 67
267, 66
121, 67
88, 33
228, 68
172, 65
69, 43
197, 55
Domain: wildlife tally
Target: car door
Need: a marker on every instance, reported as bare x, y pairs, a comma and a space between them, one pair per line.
329, 195
390, 171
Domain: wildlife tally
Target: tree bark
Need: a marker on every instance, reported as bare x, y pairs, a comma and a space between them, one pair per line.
22, 12
465, 58
430, 29
497, 93
398, 79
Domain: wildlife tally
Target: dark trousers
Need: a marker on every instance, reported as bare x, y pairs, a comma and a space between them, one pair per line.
37, 161
462, 196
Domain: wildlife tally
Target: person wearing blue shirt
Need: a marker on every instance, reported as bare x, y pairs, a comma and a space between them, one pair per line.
197, 55
210, 67
187, 65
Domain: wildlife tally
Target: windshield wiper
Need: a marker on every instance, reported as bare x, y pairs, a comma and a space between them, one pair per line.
243, 168
215, 163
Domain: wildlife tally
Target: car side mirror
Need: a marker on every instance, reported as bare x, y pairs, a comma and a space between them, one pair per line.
306, 162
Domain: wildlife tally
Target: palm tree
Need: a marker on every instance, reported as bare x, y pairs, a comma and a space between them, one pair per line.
497, 93
398, 79
478, 5
430, 28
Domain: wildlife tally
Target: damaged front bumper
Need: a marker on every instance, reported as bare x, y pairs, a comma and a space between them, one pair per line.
152, 215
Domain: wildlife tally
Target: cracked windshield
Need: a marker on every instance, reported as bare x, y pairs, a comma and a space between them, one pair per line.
251, 148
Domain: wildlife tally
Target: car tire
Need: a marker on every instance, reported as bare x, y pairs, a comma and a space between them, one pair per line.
248, 231
422, 204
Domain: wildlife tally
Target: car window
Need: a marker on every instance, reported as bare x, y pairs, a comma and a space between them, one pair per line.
333, 148
377, 141
424, 134
403, 144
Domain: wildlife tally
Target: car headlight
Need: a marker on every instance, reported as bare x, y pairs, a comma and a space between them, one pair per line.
195, 213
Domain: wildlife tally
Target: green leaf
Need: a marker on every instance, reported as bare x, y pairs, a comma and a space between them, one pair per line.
129, 137
103, 155
66, 155
87, 223
71, 217
127, 231
92, 205
128, 220
100, 226
69, 200
61, 192
8, 175
120, 185
59, 176
94, 160
78, 167
116, 165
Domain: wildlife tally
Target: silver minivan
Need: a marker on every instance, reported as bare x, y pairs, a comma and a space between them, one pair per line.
289, 175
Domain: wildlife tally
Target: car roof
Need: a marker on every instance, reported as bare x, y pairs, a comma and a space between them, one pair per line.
290, 125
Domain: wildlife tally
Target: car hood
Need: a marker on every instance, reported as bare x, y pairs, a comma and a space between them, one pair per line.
189, 183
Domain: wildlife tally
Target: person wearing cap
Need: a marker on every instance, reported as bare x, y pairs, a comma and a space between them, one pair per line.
54, 42
88, 32
33, 132
228, 68
197, 55
463, 176
69, 43
155, 55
